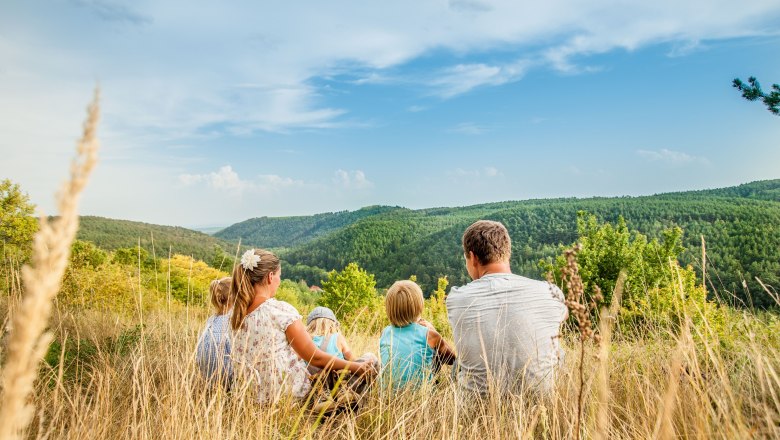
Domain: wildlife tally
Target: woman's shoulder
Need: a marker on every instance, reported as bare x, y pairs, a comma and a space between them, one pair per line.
284, 312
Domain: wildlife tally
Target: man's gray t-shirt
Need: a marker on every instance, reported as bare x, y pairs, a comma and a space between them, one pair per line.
506, 330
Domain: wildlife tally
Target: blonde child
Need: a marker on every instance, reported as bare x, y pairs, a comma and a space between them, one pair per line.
411, 349
213, 350
271, 346
325, 331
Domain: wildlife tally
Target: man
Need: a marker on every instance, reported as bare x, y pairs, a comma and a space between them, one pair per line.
505, 326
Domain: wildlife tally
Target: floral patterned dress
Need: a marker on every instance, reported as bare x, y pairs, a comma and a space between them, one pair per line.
261, 353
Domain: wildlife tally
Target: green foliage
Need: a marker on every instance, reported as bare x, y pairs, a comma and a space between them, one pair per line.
607, 250
86, 254
188, 280
133, 256
436, 309
657, 291
297, 294
291, 231
753, 92
221, 260
740, 224
17, 223
113, 287
349, 290
160, 241
312, 276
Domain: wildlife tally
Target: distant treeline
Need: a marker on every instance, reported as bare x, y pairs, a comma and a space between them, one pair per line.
741, 227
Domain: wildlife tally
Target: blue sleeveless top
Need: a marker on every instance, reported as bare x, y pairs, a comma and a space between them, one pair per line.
333, 345
406, 356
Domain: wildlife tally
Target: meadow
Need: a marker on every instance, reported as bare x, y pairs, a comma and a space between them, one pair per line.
109, 375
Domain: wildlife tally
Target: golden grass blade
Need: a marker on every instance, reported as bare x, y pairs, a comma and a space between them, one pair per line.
28, 343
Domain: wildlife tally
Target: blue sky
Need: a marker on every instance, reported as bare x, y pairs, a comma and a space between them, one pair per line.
218, 112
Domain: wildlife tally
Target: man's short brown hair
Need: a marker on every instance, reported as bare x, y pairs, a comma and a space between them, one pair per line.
489, 241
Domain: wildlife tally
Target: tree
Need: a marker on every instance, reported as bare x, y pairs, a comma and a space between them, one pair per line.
753, 92
17, 223
348, 290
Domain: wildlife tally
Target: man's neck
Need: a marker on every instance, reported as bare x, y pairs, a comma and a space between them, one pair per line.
491, 268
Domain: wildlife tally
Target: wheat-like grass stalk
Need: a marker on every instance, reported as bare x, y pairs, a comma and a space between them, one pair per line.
27, 342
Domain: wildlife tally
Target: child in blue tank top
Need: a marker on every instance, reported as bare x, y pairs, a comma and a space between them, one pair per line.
411, 349
324, 329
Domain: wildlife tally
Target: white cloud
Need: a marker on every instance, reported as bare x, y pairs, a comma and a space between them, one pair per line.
226, 179
353, 179
468, 128
479, 173
670, 157
462, 78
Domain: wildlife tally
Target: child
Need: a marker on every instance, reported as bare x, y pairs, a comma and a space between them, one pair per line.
213, 350
271, 347
410, 348
324, 328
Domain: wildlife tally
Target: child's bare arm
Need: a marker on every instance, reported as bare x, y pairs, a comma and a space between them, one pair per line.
345, 348
442, 347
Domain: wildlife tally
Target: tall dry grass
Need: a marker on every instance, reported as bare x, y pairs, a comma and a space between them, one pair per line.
27, 342
665, 385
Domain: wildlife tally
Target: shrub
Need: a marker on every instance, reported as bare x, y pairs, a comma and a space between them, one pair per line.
86, 254
349, 290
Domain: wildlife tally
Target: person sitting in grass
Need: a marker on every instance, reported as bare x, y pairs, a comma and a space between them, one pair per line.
506, 327
271, 347
411, 349
325, 331
213, 350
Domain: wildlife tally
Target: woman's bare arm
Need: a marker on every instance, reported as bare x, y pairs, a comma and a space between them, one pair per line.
301, 342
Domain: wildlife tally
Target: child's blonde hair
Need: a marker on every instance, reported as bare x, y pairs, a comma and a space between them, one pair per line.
220, 295
322, 327
404, 303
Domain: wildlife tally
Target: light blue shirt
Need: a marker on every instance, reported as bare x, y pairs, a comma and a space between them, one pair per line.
406, 356
333, 345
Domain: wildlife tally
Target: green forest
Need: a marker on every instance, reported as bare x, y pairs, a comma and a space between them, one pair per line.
740, 226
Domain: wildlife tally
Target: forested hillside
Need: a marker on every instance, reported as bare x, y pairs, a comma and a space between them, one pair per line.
111, 234
273, 232
741, 226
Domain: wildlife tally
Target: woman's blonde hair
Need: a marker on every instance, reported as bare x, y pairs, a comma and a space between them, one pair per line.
404, 303
220, 295
242, 287
322, 327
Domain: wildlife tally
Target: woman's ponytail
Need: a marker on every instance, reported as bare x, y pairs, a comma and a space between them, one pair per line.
244, 278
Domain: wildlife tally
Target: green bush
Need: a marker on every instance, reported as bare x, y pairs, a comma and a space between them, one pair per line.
86, 254
349, 290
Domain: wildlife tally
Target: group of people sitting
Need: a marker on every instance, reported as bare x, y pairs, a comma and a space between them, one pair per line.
505, 328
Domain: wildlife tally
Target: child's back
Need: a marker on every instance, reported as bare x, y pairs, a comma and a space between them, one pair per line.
329, 344
213, 351
406, 356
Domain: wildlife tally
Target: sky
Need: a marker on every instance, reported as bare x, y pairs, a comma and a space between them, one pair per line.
216, 112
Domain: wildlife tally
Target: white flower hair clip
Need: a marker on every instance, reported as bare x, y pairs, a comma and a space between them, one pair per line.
250, 260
